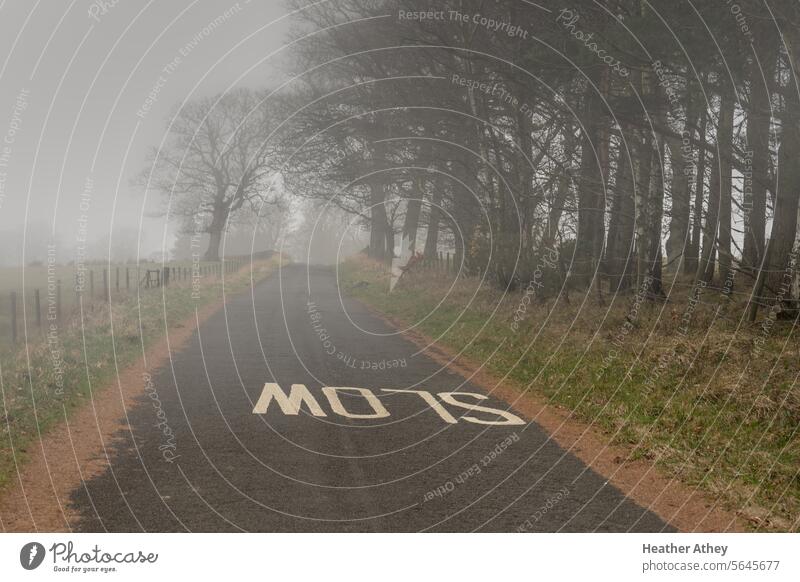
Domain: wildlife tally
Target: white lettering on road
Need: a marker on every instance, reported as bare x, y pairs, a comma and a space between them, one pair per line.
333, 397
449, 397
432, 402
299, 394
289, 404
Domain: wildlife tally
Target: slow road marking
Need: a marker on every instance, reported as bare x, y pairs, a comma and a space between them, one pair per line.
299, 395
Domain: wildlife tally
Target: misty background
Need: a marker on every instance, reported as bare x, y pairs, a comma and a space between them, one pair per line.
88, 89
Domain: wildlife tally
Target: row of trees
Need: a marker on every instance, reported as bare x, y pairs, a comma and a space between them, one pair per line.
634, 138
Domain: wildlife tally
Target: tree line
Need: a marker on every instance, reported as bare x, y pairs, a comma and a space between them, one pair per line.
638, 140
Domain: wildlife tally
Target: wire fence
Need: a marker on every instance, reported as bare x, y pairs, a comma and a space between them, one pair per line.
27, 311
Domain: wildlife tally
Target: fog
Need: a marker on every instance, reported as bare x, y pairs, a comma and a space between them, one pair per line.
88, 90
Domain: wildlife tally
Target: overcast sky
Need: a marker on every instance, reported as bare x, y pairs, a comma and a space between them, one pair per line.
74, 87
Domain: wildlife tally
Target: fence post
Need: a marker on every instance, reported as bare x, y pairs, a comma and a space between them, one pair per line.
37, 302
166, 277
79, 290
14, 317
448, 262
105, 285
91, 284
117, 279
58, 301
127, 278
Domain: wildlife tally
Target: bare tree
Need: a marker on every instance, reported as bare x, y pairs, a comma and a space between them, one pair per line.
216, 162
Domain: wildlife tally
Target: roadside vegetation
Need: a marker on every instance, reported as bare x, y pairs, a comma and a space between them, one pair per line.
43, 382
715, 404
40, 277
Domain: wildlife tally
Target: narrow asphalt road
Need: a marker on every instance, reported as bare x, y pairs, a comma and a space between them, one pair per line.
219, 451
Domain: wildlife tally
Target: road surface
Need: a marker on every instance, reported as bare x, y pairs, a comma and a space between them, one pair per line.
296, 410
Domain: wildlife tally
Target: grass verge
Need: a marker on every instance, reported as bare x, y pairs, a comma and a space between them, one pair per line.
713, 402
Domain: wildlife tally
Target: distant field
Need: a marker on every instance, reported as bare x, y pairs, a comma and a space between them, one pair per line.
26, 280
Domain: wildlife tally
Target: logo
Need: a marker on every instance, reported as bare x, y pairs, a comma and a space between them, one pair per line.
31, 555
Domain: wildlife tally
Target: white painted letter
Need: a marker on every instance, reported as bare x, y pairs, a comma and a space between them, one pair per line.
288, 404
449, 397
428, 397
338, 408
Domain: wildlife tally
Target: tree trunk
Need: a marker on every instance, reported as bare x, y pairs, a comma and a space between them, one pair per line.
379, 225
707, 266
692, 261
755, 185
656, 215
214, 241
619, 242
562, 190
591, 204
679, 217
643, 208
434, 219
215, 229
784, 225
725, 196
411, 224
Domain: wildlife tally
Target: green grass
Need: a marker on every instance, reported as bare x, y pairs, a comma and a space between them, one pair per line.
708, 417
24, 281
34, 397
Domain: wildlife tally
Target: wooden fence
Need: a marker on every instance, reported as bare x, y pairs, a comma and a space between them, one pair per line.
93, 284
